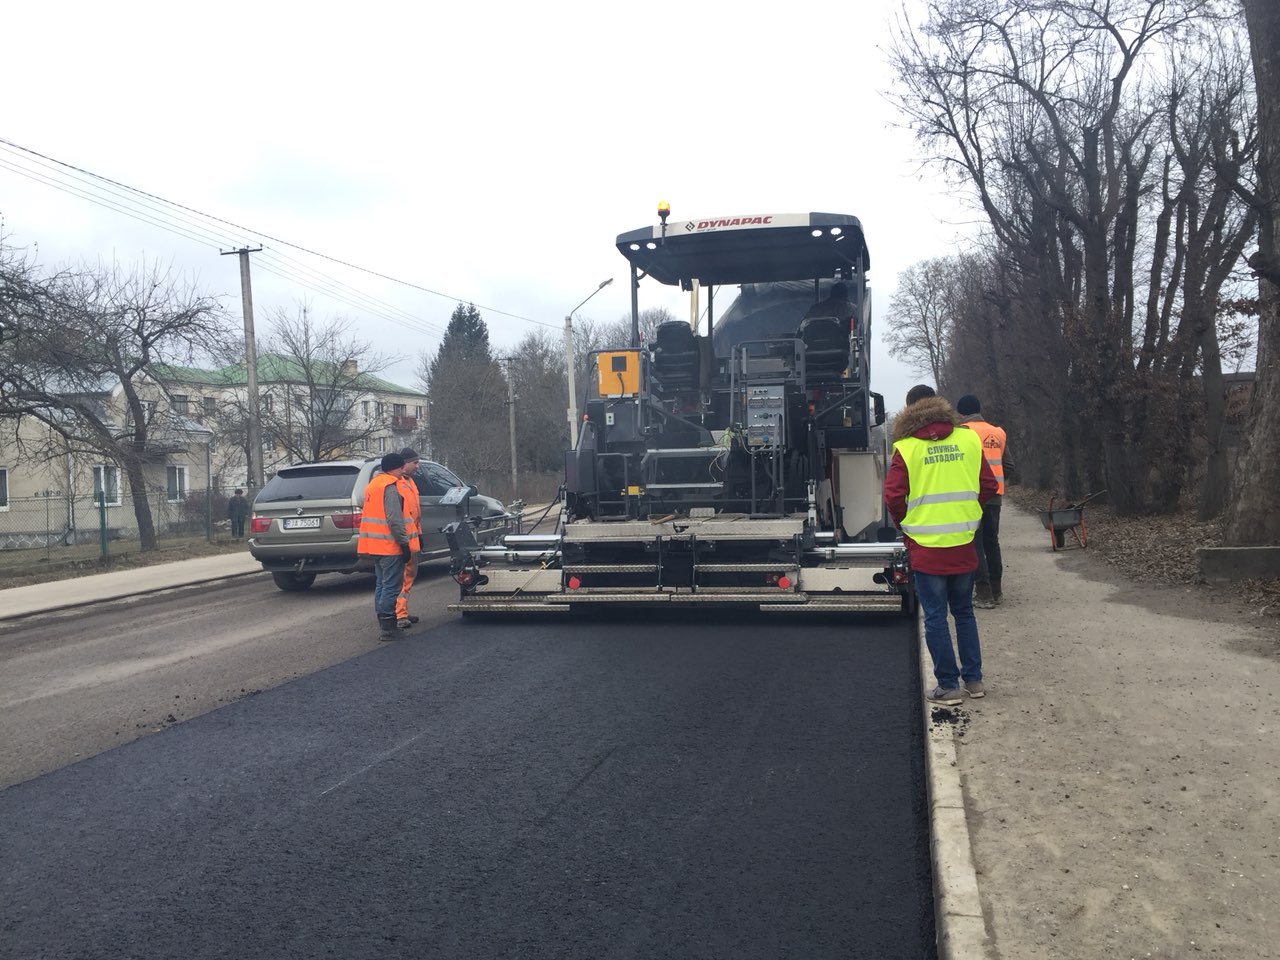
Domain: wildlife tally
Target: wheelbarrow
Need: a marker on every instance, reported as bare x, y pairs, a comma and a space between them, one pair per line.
1068, 518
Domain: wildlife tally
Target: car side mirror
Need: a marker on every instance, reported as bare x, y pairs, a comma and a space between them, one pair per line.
471, 490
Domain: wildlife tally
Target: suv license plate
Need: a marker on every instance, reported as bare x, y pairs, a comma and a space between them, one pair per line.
301, 523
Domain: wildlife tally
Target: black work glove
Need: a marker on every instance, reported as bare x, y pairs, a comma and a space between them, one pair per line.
406, 552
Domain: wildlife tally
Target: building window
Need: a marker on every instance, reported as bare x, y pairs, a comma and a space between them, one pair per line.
417, 411
364, 408
106, 484
399, 409
180, 404
382, 444
210, 406
266, 403
177, 483
380, 408
4, 488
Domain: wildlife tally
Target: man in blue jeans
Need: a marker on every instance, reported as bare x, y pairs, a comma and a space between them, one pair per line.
388, 538
934, 490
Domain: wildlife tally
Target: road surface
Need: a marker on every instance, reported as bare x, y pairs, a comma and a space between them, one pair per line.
623, 786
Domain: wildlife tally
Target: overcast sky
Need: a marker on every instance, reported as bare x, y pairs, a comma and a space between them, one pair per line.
491, 152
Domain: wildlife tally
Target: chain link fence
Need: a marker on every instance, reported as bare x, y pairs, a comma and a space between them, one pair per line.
55, 523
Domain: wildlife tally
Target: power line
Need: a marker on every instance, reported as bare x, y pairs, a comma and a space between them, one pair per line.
196, 231
266, 236
192, 230
318, 282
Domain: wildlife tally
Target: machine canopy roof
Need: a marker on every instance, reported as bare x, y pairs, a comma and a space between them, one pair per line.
756, 248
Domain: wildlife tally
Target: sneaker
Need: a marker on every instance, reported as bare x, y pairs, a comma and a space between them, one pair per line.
948, 698
975, 689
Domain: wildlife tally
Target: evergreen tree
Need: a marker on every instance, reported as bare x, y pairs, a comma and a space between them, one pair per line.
467, 420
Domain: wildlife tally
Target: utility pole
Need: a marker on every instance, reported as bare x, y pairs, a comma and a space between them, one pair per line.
511, 415
251, 368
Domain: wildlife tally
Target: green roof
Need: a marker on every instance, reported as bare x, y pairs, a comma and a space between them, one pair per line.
272, 368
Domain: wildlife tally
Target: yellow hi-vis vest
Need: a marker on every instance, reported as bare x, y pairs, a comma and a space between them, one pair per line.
942, 488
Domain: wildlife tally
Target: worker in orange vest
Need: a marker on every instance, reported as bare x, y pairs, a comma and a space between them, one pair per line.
413, 520
987, 586
385, 536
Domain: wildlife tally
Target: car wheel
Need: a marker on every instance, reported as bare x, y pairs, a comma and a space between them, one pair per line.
293, 582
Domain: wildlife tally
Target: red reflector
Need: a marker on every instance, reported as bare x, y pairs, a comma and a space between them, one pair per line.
463, 577
784, 583
259, 524
900, 576
346, 521
574, 583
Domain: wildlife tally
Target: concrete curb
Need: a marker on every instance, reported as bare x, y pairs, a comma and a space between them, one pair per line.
88, 601
961, 927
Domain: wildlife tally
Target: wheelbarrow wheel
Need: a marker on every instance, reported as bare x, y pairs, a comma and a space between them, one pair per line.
1059, 539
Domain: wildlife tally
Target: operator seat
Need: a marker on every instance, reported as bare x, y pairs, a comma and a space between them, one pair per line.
826, 347
674, 358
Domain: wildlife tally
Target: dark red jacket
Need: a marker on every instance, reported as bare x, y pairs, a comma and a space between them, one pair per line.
930, 419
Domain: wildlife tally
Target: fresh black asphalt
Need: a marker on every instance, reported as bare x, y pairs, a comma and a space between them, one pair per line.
623, 786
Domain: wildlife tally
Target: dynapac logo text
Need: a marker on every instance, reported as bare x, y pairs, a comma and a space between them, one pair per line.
732, 222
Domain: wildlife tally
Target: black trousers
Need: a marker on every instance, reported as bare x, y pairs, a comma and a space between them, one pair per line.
237, 526
987, 542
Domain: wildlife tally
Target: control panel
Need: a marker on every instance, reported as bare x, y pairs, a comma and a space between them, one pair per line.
766, 416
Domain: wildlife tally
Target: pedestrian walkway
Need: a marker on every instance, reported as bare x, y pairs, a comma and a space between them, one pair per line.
97, 587
1119, 781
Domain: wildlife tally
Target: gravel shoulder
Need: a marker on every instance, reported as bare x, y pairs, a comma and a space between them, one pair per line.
1122, 778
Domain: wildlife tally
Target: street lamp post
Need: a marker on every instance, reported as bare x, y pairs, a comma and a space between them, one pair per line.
568, 363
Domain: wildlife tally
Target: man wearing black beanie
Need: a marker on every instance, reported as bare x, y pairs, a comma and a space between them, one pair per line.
388, 537
988, 585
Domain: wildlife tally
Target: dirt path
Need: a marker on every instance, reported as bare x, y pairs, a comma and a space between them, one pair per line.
1122, 778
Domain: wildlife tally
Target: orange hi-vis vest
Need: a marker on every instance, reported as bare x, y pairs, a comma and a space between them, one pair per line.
993, 443
412, 511
376, 538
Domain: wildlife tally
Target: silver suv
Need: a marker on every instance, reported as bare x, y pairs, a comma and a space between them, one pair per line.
306, 520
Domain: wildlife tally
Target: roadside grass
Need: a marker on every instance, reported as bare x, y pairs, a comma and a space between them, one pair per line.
20, 568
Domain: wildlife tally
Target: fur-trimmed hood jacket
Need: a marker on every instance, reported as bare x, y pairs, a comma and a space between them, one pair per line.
931, 412
930, 419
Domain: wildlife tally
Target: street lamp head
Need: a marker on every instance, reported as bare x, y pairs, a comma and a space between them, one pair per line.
604, 283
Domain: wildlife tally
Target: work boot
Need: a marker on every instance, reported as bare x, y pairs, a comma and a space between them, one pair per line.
982, 596
386, 628
996, 593
404, 623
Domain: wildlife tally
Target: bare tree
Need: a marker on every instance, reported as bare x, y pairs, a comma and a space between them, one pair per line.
541, 386
920, 316
1253, 517
322, 372
76, 341
1053, 113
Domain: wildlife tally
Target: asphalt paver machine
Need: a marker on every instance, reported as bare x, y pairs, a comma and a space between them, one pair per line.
729, 460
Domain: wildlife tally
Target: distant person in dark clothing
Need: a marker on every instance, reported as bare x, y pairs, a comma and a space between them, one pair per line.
988, 586
237, 513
